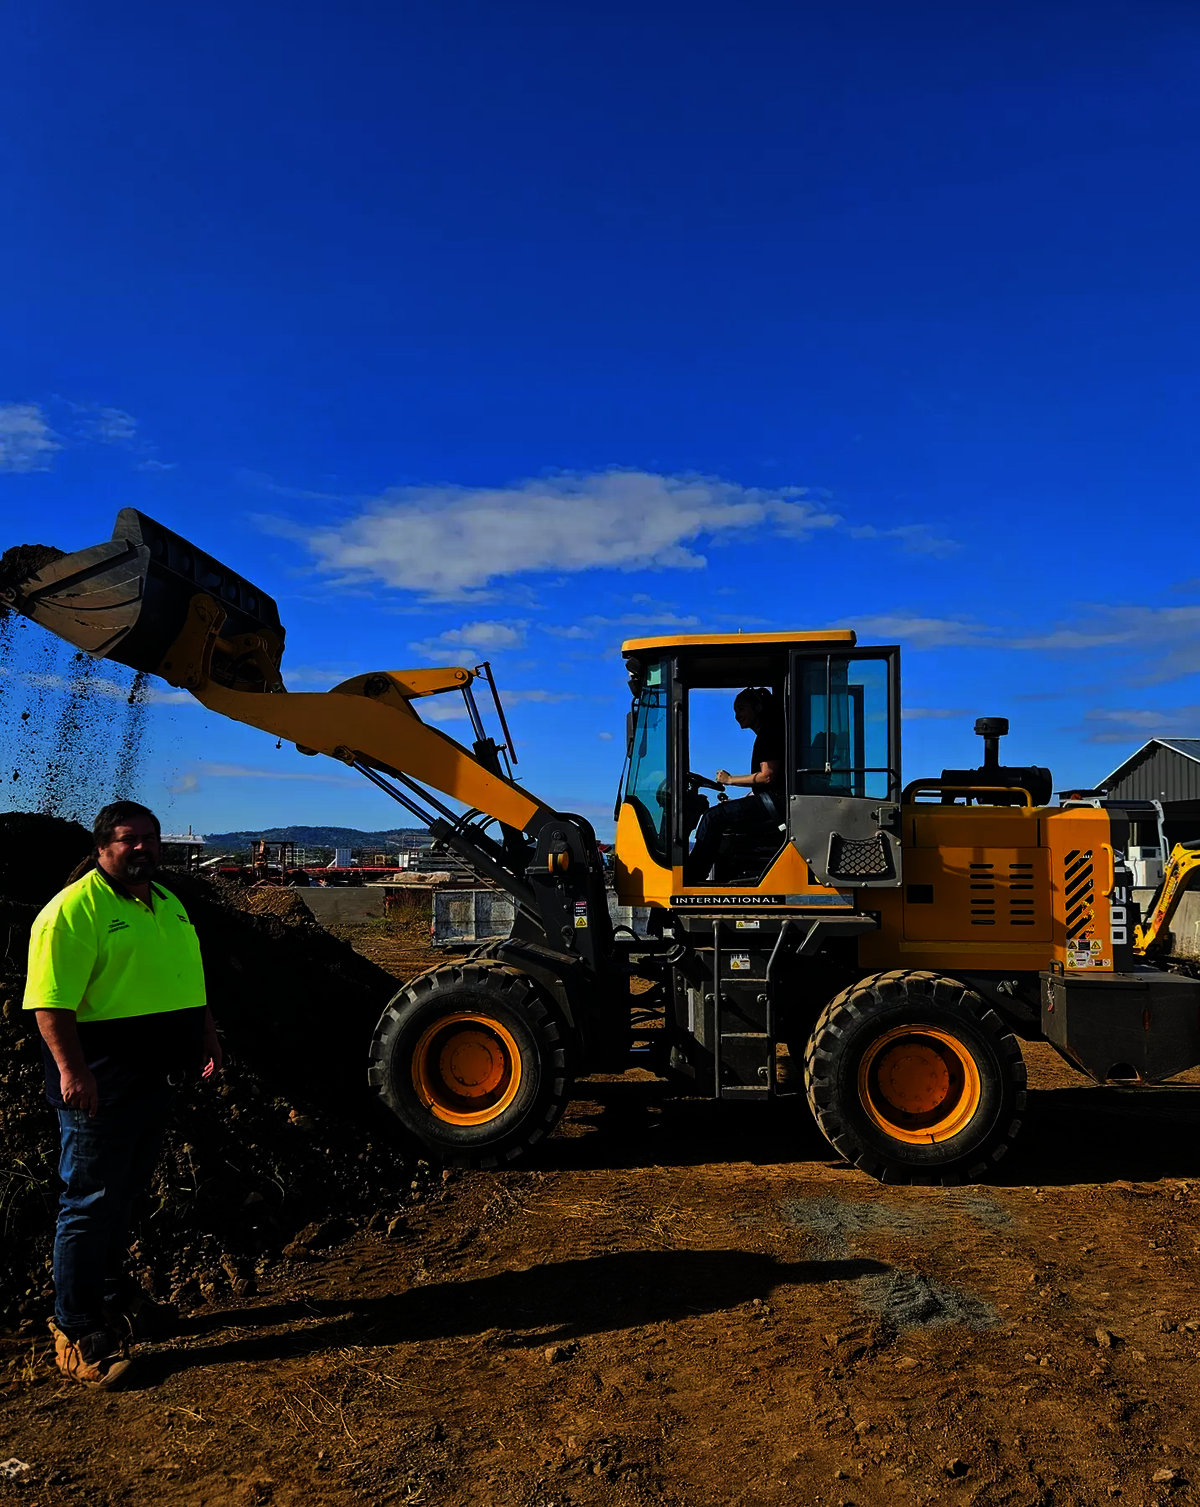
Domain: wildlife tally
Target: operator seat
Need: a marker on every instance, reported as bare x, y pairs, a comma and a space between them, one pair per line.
743, 857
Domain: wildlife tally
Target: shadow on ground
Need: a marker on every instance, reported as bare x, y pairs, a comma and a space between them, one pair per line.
1082, 1133
1090, 1134
556, 1302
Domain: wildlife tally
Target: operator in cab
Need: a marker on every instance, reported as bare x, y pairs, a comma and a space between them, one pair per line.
762, 810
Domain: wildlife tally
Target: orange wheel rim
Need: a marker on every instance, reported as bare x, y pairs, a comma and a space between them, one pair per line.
466, 1069
919, 1084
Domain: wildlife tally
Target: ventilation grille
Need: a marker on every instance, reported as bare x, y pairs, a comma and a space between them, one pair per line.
1077, 884
1002, 893
1020, 894
983, 894
859, 858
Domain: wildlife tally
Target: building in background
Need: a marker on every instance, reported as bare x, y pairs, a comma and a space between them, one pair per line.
1166, 770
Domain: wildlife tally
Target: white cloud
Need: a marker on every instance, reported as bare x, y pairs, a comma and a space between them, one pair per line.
1166, 638
452, 709
474, 641
647, 620
917, 632
589, 626
436, 709
109, 426
447, 541
605, 737
104, 425
923, 713
1164, 641
259, 481
26, 440
1137, 725
86, 682
315, 675
914, 538
241, 772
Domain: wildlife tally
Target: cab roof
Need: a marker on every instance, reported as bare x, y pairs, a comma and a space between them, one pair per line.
740, 640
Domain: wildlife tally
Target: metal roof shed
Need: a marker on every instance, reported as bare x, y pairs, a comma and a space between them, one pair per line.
1166, 770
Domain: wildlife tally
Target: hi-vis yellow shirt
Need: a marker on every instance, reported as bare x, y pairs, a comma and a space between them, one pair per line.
106, 955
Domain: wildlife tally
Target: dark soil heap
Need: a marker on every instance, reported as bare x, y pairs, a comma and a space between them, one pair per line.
19, 563
286, 1138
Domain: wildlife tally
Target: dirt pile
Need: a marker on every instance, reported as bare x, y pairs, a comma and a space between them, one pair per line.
287, 1137
19, 563
37, 853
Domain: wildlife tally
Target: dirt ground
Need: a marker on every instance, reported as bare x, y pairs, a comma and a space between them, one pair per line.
685, 1302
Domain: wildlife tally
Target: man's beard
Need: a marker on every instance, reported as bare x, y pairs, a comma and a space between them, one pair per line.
138, 870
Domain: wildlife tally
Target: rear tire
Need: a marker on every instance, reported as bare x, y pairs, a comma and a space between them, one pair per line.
913, 1078
473, 1062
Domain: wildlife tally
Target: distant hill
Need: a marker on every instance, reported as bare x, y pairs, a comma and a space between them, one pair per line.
321, 837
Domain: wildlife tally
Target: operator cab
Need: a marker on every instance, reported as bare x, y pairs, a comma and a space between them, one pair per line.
839, 709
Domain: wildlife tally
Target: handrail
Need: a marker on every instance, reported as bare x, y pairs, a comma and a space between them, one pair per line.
918, 786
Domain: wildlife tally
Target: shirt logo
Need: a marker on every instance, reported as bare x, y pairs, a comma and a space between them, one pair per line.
117, 925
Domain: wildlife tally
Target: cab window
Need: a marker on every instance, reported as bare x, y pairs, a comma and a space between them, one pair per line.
646, 789
843, 735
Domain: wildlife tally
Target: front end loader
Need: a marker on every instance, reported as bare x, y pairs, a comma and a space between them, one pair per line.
897, 940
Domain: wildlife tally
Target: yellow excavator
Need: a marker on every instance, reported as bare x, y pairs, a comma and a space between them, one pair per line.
1175, 897
900, 939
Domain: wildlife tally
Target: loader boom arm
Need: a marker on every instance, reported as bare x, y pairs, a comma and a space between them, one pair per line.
148, 598
379, 730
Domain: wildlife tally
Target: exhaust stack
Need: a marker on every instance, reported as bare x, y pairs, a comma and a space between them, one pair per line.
151, 600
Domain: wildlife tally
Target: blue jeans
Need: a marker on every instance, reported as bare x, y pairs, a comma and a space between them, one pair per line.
106, 1163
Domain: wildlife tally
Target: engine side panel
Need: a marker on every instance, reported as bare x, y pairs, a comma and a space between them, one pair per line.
1007, 889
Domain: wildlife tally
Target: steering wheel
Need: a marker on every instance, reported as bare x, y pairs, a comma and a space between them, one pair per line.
696, 783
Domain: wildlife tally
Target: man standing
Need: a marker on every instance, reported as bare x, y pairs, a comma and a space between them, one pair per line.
118, 986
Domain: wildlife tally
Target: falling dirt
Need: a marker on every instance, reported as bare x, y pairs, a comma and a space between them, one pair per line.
64, 749
69, 784
132, 739
31, 679
73, 730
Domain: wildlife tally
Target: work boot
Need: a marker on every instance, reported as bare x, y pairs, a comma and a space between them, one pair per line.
99, 1359
138, 1317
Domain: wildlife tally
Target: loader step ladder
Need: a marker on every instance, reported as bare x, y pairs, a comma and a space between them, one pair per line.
738, 1050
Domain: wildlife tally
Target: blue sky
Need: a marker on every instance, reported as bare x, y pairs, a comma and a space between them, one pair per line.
517, 329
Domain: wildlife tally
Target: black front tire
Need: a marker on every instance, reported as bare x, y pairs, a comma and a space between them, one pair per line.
474, 1062
914, 1079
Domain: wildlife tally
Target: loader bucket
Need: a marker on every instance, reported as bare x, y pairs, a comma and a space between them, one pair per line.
129, 599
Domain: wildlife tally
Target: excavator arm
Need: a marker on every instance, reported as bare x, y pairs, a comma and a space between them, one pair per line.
1182, 868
